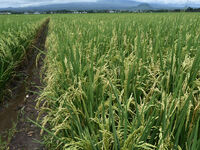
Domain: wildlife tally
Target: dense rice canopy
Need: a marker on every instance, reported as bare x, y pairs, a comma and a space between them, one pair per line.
122, 81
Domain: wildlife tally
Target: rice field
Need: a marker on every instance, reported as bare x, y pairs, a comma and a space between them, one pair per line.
112, 81
16, 34
122, 82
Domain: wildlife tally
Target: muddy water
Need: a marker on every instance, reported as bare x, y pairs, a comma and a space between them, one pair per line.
9, 114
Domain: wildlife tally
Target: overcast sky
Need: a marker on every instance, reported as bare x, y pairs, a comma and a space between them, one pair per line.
172, 1
22, 3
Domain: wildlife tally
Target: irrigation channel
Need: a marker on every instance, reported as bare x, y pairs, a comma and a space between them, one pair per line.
22, 104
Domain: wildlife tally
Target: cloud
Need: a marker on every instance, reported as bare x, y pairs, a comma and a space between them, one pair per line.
22, 3
171, 1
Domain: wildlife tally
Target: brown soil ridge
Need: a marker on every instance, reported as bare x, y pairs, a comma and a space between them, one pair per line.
27, 133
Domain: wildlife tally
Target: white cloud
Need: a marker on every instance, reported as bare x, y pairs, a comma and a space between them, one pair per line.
172, 1
22, 3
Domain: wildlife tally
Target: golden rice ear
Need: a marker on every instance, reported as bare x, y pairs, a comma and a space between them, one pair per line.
122, 81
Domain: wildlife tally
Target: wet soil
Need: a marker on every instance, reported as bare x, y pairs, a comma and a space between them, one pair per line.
22, 105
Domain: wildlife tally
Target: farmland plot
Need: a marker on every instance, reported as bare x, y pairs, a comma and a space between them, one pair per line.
16, 34
122, 81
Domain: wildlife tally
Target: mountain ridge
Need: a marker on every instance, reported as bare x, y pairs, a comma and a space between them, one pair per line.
118, 4
98, 5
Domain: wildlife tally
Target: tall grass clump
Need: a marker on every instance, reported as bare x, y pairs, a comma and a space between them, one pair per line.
122, 82
16, 35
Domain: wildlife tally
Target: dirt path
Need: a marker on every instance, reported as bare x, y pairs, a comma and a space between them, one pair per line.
27, 133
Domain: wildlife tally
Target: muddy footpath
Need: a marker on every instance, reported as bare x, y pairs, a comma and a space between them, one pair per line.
21, 106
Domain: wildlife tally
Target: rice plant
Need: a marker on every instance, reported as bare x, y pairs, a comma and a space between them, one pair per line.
16, 35
122, 82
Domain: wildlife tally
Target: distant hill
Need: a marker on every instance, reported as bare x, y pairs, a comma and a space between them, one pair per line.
121, 2
144, 6
99, 5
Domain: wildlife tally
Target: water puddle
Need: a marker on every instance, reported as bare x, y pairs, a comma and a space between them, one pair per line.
9, 114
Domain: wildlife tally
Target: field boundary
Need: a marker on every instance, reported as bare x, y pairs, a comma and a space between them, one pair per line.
26, 132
